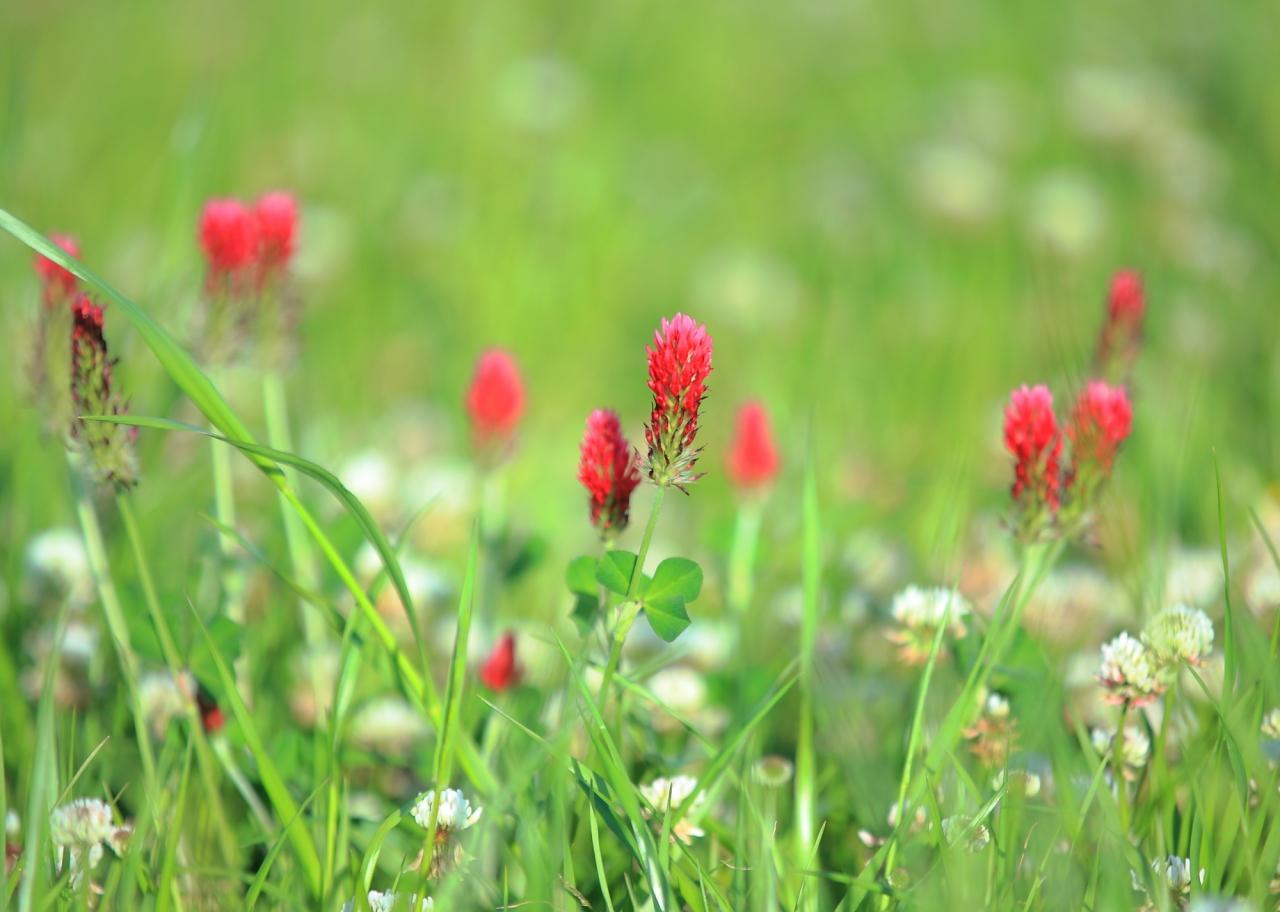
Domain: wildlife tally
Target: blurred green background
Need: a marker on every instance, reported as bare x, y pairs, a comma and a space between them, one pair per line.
887, 214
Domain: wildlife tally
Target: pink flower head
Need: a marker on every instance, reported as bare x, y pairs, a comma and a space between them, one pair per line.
753, 456
109, 446
679, 363
1031, 437
608, 470
229, 239
1121, 336
495, 400
500, 670
1100, 421
277, 228
58, 283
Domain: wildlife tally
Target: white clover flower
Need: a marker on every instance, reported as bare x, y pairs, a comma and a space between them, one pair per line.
1128, 671
386, 902
996, 706
1135, 746
925, 608
1180, 634
163, 699
81, 823
387, 725
668, 795
1176, 872
57, 567
1271, 724
455, 812
1194, 576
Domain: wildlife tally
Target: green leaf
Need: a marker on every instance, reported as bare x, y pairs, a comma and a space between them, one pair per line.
676, 577
580, 577
614, 572
586, 608
666, 616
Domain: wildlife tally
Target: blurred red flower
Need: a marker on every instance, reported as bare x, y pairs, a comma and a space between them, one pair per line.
1031, 437
229, 238
1100, 421
753, 456
608, 470
495, 400
58, 282
500, 671
277, 228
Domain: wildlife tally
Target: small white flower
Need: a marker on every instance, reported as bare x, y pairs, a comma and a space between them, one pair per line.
455, 812
163, 699
1127, 670
668, 795
1135, 746
997, 706
386, 902
1176, 872
1180, 634
57, 567
1271, 724
387, 725
81, 823
919, 608
12, 824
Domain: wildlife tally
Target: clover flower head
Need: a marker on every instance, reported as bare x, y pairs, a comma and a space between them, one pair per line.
495, 400
921, 608
81, 823
753, 455
1180, 634
1135, 746
679, 363
1128, 671
57, 567
667, 795
455, 812
1032, 437
608, 469
1176, 872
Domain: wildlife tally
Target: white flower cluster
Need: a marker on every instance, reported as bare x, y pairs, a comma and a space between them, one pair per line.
455, 811
1180, 634
668, 795
1135, 746
386, 902
1271, 724
82, 827
1176, 872
919, 608
1128, 671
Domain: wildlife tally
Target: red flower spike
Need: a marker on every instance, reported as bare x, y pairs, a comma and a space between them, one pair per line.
607, 469
1121, 336
495, 400
500, 670
229, 239
679, 363
212, 718
110, 446
1100, 421
277, 229
753, 456
1031, 437
58, 283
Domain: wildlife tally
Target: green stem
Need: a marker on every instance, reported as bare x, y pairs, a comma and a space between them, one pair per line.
630, 606
173, 660
95, 550
1117, 769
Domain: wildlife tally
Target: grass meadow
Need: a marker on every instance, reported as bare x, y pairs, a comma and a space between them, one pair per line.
807, 456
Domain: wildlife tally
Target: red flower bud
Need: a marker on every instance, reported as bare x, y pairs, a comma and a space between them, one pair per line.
1100, 421
229, 239
500, 671
277, 228
1031, 437
679, 363
1121, 336
495, 400
753, 456
607, 469
58, 282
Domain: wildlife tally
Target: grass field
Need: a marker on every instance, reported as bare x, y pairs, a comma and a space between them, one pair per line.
355, 629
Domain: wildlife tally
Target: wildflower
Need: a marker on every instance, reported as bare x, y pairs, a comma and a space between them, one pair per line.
81, 827
667, 795
110, 446
58, 283
1271, 724
276, 217
993, 735
162, 699
607, 469
212, 718
500, 670
919, 612
455, 814
1121, 335
57, 568
679, 363
1176, 874
386, 902
1135, 748
773, 771
1100, 421
1179, 634
753, 457
682, 693
228, 235
1031, 436
495, 399
387, 725
1128, 671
